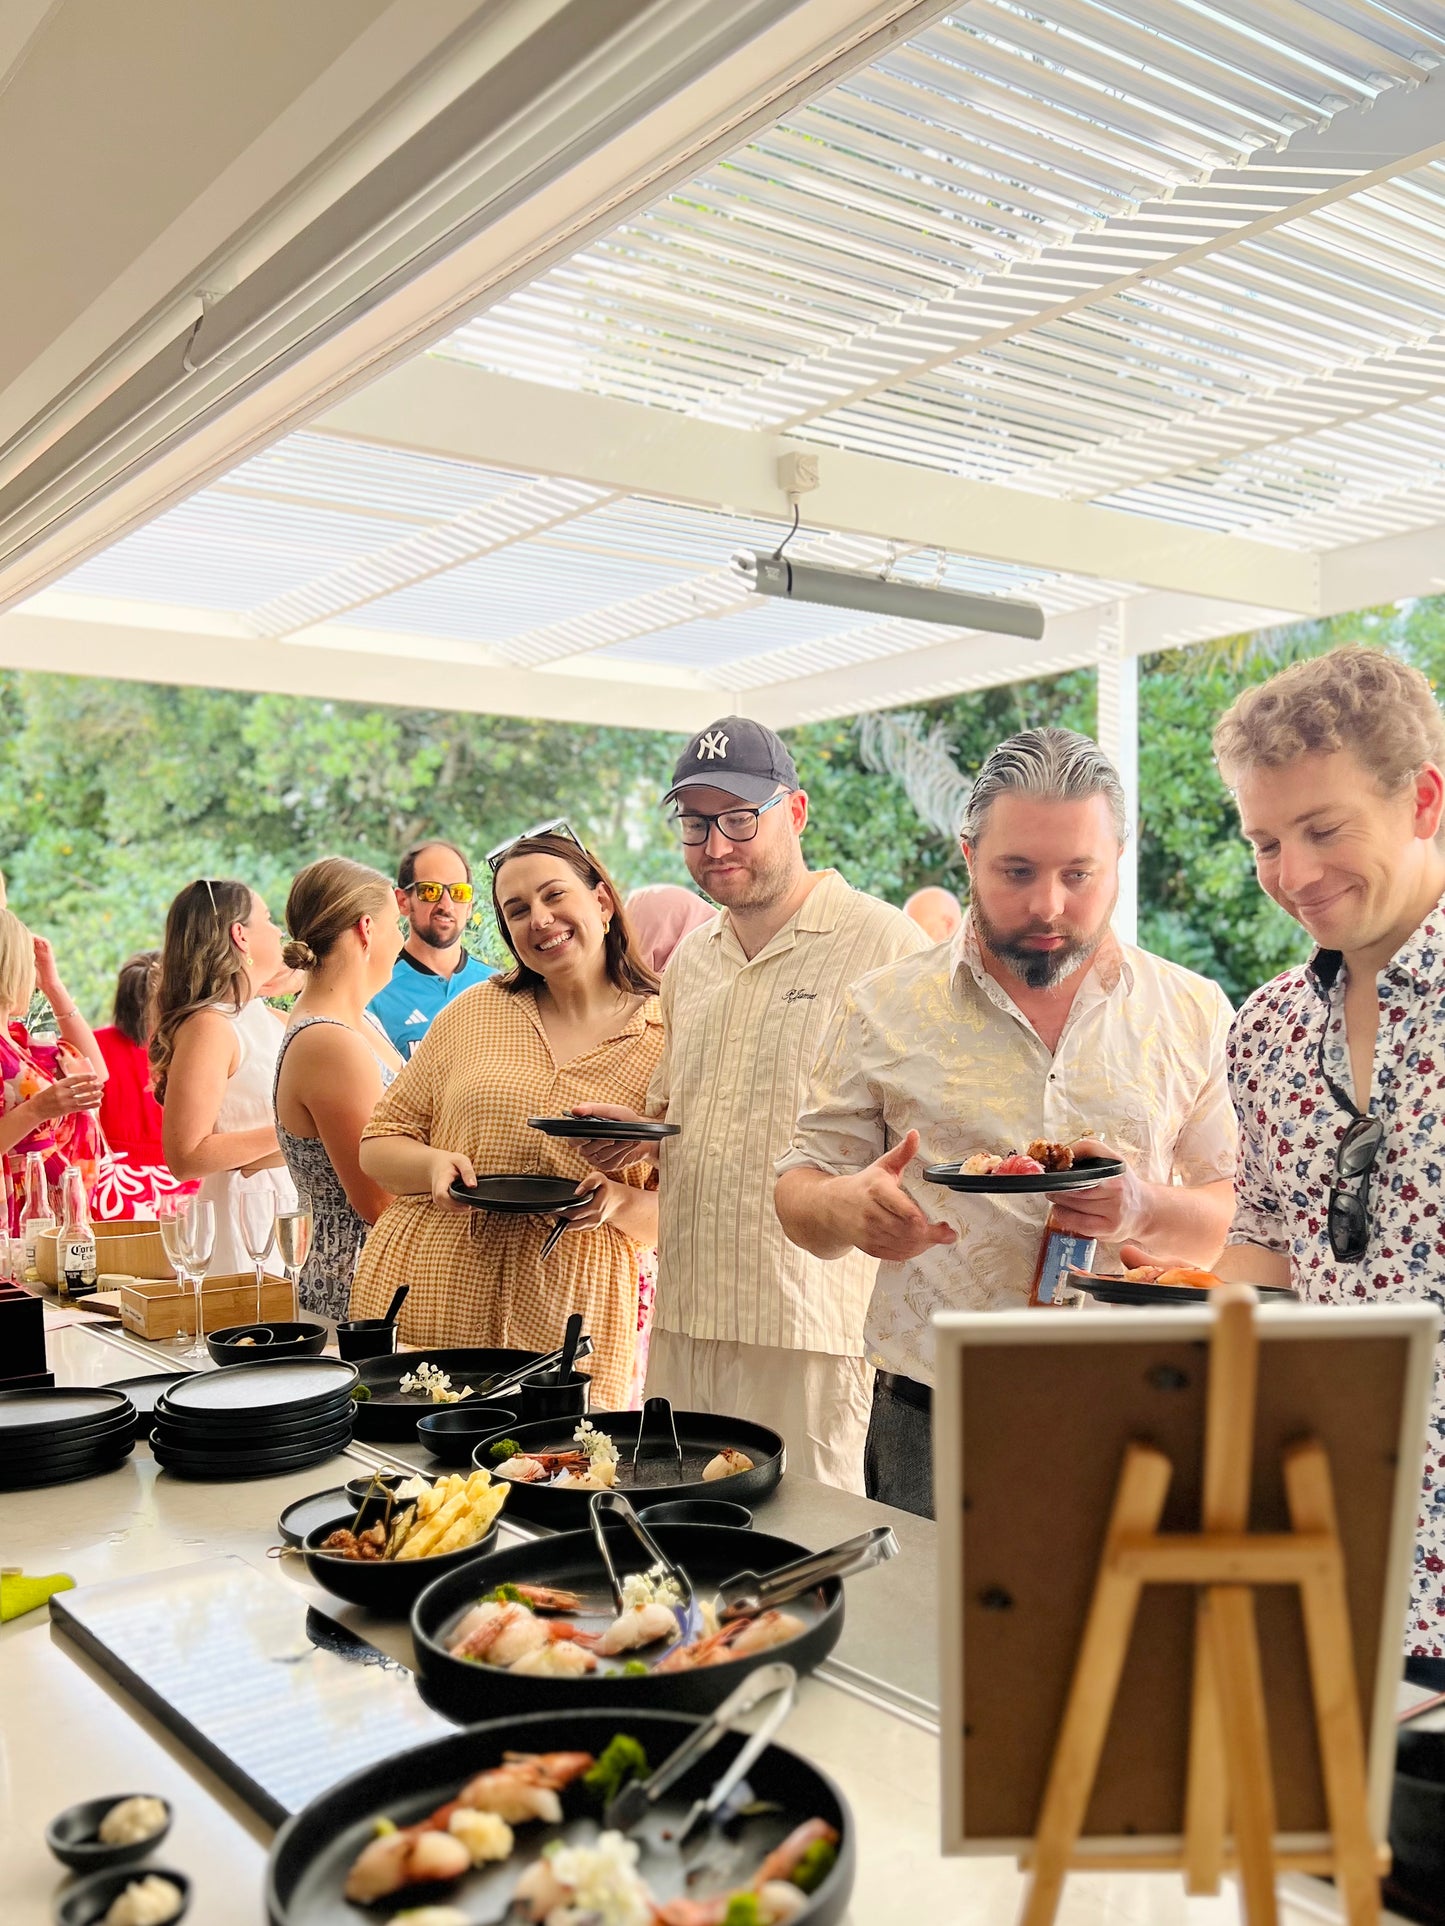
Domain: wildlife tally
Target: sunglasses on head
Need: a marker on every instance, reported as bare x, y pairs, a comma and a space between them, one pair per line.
434, 892
559, 826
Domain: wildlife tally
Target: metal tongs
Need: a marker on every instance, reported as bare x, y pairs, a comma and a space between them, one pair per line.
492, 1388
688, 1614
746, 1594
657, 1435
637, 1799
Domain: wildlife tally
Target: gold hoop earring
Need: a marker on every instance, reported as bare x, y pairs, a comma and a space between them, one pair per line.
606, 924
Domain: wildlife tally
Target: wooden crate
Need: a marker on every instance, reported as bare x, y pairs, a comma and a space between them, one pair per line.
154, 1308
130, 1249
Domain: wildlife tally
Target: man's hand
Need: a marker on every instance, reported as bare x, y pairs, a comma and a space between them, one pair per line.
605, 1153
1109, 1212
876, 1214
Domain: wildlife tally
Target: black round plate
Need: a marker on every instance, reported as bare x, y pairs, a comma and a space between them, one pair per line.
387, 1587
257, 1464
314, 1850
388, 1416
304, 1514
700, 1436
1087, 1172
65, 1409
144, 1391
521, 1195
116, 1436
236, 1393
91, 1466
1121, 1290
605, 1129
278, 1435
465, 1691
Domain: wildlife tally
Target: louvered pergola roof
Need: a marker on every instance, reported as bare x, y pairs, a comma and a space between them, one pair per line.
1132, 307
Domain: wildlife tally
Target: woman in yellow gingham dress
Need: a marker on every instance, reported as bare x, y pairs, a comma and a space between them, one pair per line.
576, 1022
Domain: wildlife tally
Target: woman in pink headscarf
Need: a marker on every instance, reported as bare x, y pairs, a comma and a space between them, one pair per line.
661, 915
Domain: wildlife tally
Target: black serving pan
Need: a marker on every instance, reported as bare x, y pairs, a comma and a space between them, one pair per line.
654, 1478
1082, 1176
384, 1416
387, 1587
1123, 1290
303, 1338
313, 1851
570, 1560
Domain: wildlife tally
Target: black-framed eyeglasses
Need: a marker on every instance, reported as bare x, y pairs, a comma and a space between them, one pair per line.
1348, 1214
737, 825
559, 826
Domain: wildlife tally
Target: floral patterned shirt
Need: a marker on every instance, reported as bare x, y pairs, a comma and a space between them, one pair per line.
1290, 1125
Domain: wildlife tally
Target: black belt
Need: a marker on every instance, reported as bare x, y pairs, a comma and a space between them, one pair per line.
907, 1390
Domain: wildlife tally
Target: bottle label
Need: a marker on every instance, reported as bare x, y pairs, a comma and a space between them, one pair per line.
77, 1265
1060, 1255
31, 1231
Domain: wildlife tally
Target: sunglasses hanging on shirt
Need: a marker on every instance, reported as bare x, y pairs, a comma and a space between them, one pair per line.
1348, 1217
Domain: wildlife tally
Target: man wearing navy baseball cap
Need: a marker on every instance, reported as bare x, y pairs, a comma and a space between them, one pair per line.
746, 1322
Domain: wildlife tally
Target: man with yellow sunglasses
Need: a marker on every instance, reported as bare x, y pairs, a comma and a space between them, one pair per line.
434, 893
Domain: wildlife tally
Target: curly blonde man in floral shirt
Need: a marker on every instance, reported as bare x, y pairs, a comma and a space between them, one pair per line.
1337, 1067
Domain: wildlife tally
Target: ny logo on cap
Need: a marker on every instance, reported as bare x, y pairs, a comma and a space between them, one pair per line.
714, 746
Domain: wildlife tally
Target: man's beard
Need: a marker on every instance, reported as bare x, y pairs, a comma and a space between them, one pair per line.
1039, 969
761, 885
434, 938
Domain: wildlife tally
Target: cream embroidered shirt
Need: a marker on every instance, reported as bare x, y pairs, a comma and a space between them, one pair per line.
740, 1040
934, 1044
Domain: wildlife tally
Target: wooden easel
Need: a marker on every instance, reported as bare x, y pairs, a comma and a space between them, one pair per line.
1229, 1769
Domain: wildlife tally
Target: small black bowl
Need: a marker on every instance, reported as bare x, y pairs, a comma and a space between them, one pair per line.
387, 1587
697, 1511
365, 1486
74, 1837
553, 1397
453, 1431
302, 1339
365, 1337
88, 1903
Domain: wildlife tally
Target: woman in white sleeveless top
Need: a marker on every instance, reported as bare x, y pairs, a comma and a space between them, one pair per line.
213, 1050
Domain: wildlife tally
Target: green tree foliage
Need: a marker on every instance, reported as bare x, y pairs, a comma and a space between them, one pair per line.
113, 794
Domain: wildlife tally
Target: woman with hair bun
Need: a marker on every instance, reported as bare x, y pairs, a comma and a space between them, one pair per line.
577, 1021
335, 1062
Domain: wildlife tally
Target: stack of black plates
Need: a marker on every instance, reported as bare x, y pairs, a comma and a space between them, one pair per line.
49, 1436
250, 1420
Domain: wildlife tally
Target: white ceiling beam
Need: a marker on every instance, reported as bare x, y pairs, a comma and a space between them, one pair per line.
398, 671
1391, 569
444, 408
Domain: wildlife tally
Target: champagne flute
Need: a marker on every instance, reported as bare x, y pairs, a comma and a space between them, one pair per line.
293, 1241
258, 1231
171, 1223
199, 1242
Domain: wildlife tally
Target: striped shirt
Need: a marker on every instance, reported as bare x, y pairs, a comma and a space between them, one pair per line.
740, 1040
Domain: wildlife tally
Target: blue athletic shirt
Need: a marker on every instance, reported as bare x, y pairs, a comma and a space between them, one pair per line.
415, 994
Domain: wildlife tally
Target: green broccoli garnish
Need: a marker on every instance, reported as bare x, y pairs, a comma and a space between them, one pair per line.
634, 1669
743, 1910
503, 1449
815, 1865
505, 1595
623, 1759
361, 1394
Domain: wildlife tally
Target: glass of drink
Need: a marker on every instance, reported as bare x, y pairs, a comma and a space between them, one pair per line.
293, 1241
198, 1242
258, 1231
171, 1223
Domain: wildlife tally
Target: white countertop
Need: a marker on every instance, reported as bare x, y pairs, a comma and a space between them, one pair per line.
68, 1732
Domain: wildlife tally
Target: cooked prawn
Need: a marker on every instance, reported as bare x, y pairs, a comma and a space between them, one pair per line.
419, 1856
548, 1598
525, 1786
739, 1638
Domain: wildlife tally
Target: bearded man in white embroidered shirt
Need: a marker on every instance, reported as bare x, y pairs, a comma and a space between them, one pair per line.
1035, 1023
745, 1322
1337, 1067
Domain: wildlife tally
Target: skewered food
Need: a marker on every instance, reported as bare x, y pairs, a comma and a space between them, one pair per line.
131, 1820
151, 1901
727, 1464
424, 1520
